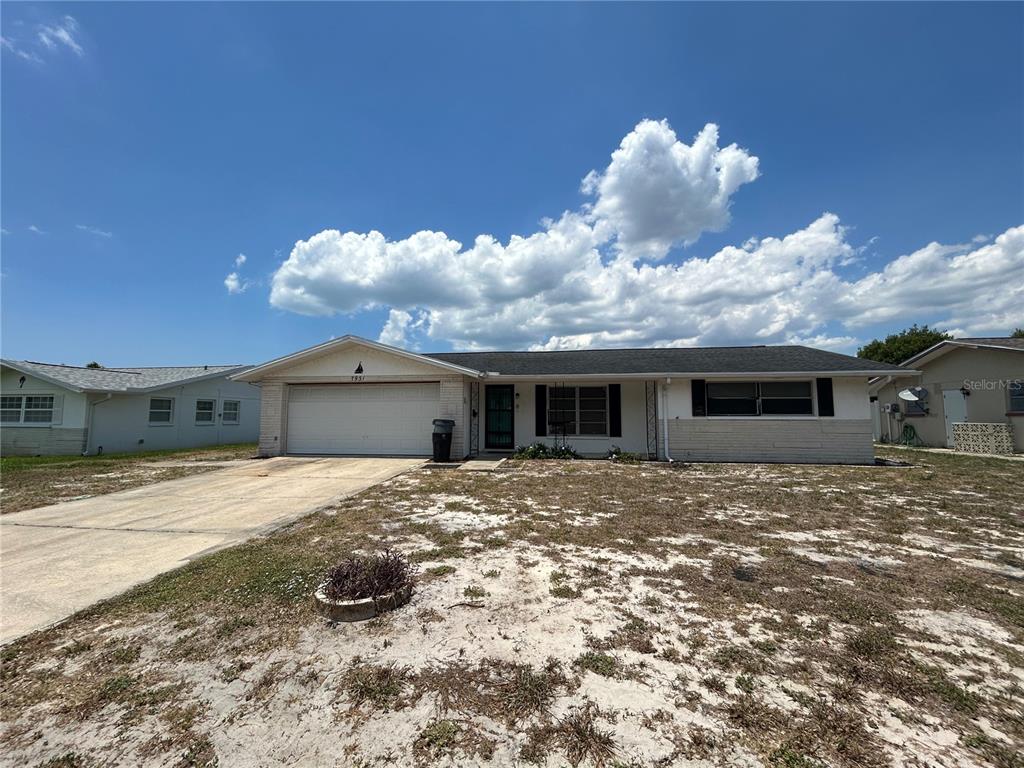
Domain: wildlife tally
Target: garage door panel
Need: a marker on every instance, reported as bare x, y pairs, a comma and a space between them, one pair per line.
362, 418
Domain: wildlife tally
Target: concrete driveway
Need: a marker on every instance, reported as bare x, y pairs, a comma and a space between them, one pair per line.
60, 559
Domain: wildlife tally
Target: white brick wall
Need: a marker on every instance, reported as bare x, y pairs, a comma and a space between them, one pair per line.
41, 441
825, 441
273, 417
453, 406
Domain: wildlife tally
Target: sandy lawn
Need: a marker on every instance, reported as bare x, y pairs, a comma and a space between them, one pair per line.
27, 482
578, 613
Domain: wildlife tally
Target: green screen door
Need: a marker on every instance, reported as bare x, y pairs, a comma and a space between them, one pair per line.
498, 417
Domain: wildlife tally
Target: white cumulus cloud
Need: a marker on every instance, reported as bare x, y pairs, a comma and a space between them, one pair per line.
395, 329
658, 192
234, 283
240, 259
599, 276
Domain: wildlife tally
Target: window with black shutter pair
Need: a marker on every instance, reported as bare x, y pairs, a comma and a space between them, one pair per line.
760, 398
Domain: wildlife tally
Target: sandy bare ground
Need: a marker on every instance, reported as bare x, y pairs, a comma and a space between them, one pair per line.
576, 613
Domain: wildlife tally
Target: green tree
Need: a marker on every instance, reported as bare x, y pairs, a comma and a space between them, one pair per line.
897, 347
1018, 333
93, 364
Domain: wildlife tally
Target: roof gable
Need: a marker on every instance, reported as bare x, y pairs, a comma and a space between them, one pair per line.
343, 358
947, 345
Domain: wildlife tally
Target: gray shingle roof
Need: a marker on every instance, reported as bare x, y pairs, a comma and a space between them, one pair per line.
691, 360
120, 379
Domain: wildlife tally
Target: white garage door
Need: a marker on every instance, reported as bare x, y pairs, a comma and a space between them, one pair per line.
384, 419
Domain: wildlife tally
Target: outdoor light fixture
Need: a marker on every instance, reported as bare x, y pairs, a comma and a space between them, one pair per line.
21, 382
965, 391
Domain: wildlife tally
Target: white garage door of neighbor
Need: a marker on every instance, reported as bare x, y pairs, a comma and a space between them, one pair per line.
383, 419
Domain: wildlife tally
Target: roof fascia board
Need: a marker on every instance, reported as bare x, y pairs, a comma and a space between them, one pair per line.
260, 371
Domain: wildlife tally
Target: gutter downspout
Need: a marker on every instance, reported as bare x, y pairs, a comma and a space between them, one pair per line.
664, 418
88, 427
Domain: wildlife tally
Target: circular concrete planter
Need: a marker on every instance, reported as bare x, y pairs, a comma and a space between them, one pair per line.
359, 610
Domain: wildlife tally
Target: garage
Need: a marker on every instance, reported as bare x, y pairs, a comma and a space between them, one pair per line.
372, 419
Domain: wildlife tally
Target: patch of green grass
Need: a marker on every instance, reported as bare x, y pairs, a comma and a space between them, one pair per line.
474, 592
492, 574
234, 670
788, 757
565, 592
441, 570
67, 760
233, 625
76, 647
116, 686
598, 663
438, 737
380, 686
745, 683
582, 739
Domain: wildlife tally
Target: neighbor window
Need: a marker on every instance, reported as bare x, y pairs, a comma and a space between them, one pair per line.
578, 410
26, 409
205, 410
161, 409
10, 409
231, 410
766, 398
1016, 396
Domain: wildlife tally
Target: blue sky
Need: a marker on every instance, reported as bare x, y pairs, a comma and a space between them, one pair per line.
151, 144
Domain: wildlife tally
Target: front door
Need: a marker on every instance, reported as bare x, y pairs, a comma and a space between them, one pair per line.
954, 405
498, 411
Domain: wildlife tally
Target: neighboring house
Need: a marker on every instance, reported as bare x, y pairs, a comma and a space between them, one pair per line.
974, 380
787, 403
62, 409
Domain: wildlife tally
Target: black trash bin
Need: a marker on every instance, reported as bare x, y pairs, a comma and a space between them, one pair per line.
443, 439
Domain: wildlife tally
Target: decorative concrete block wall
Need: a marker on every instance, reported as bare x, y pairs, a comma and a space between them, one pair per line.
983, 438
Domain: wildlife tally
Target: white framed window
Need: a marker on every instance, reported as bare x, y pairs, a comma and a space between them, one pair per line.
205, 411
161, 410
578, 410
26, 409
10, 409
232, 411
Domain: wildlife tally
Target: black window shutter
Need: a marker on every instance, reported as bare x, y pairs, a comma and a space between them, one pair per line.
615, 410
698, 396
540, 400
826, 403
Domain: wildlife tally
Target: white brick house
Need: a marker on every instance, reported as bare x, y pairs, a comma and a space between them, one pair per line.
352, 396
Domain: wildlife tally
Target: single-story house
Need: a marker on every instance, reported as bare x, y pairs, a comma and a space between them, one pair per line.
48, 409
766, 403
959, 381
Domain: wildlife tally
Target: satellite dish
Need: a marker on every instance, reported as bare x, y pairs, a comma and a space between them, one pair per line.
913, 394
